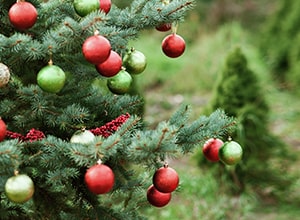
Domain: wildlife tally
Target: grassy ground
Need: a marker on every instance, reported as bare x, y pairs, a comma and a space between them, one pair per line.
167, 83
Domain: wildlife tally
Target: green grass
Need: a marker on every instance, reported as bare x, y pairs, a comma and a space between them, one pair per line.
166, 83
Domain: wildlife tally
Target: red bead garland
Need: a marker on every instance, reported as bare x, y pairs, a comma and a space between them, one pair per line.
104, 131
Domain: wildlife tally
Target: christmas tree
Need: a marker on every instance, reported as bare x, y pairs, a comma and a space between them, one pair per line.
238, 92
73, 141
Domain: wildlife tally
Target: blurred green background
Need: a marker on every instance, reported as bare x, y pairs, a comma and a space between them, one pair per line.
267, 32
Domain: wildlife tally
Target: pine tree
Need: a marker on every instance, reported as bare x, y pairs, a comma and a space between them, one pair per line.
41, 124
238, 93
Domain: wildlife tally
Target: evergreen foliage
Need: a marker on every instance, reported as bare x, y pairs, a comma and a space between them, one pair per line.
279, 43
238, 92
55, 165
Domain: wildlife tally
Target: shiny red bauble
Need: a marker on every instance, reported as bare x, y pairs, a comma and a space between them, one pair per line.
99, 179
173, 45
211, 149
105, 5
165, 179
157, 198
22, 15
2, 130
164, 27
111, 66
96, 49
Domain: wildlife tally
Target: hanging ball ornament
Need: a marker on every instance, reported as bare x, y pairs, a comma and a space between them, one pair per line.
120, 83
82, 136
22, 15
165, 179
230, 153
51, 78
157, 198
99, 178
164, 27
2, 129
211, 149
96, 49
173, 45
84, 7
105, 5
111, 66
4, 75
134, 61
19, 188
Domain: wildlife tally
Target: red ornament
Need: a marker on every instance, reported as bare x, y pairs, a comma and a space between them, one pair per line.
164, 27
105, 5
111, 66
99, 179
157, 198
22, 15
165, 179
173, 45
2, 129
211, 149
96, 49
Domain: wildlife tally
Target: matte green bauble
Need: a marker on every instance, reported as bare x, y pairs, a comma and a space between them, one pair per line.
51, 78
120, 83
19, 188
84, 7
230, 153
134, 61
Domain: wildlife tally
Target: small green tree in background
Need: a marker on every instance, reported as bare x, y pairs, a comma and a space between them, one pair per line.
279, 43
238, 92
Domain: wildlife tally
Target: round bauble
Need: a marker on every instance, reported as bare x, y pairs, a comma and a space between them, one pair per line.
165, 179
22, 15
84, 7
105, 5
82, 137
157, 198
2, 129
120, 83
99, 179
51, 78
96, 49
111, 66
4, 75
19, 188
211, 149
230, 153
173, 45
134, 61
164, 27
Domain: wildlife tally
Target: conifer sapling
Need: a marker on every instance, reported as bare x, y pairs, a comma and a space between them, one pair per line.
165, 179
157, 198
111, 66
211, 149
22, 15
96, 48
99, 178
19, 188
4, 75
